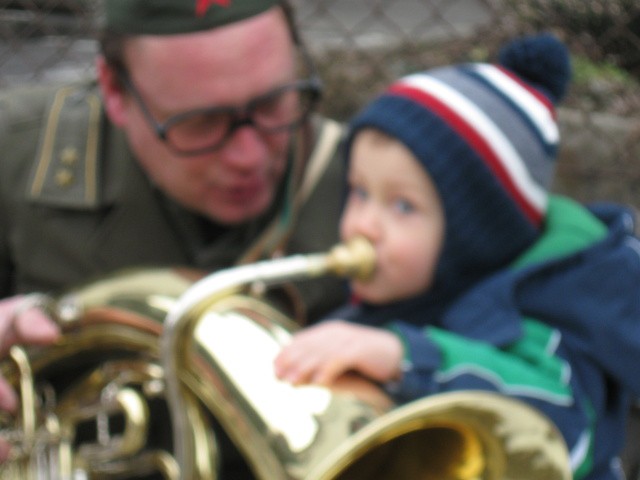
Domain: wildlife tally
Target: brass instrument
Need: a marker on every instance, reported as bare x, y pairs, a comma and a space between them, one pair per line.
150, 349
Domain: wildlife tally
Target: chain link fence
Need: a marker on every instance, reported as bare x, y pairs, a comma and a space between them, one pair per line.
361, 45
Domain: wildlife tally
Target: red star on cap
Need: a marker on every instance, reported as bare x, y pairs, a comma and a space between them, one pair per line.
203, 5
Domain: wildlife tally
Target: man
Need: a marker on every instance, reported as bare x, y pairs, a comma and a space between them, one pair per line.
198, 150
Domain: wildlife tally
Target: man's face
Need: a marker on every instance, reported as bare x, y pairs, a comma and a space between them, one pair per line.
225, 67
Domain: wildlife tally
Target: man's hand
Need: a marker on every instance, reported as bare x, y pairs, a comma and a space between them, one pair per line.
21, 322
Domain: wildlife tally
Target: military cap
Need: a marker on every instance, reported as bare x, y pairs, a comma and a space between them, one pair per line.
166, 17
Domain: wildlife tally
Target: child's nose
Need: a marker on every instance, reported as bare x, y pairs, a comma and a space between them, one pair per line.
369, 223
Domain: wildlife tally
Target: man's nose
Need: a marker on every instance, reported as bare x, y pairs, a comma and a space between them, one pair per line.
246, 147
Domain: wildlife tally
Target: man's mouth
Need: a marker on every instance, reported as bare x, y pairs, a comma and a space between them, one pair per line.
245, 191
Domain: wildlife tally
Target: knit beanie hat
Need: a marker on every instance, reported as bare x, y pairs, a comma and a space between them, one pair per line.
487, 135
165, 17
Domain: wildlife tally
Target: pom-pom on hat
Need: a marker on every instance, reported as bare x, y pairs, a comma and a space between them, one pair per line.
166, 17
487, 134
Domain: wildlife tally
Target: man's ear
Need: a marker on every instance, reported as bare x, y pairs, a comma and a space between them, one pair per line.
113, 95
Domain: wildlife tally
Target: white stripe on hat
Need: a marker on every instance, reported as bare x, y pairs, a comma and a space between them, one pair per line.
484, 126
537, 111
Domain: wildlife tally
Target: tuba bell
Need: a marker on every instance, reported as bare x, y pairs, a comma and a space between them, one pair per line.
155, 367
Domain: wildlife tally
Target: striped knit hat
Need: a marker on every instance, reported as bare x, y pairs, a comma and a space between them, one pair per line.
487, 134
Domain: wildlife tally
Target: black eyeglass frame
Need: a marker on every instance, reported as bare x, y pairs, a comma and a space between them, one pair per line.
240, 116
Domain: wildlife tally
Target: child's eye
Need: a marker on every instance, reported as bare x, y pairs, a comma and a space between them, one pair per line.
358, 192
403, 206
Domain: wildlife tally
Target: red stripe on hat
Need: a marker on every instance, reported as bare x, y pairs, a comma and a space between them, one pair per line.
533, 91
475, 140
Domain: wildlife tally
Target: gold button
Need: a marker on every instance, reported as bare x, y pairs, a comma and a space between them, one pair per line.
69, 156
64, 177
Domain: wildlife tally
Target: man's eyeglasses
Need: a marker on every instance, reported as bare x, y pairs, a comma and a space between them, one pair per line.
207, 129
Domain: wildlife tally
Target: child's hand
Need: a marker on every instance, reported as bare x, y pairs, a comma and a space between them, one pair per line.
321, 353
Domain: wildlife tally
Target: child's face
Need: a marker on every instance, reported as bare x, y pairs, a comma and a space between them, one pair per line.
393, 203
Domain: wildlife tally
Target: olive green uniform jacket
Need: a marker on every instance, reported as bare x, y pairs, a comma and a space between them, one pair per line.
74, 204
